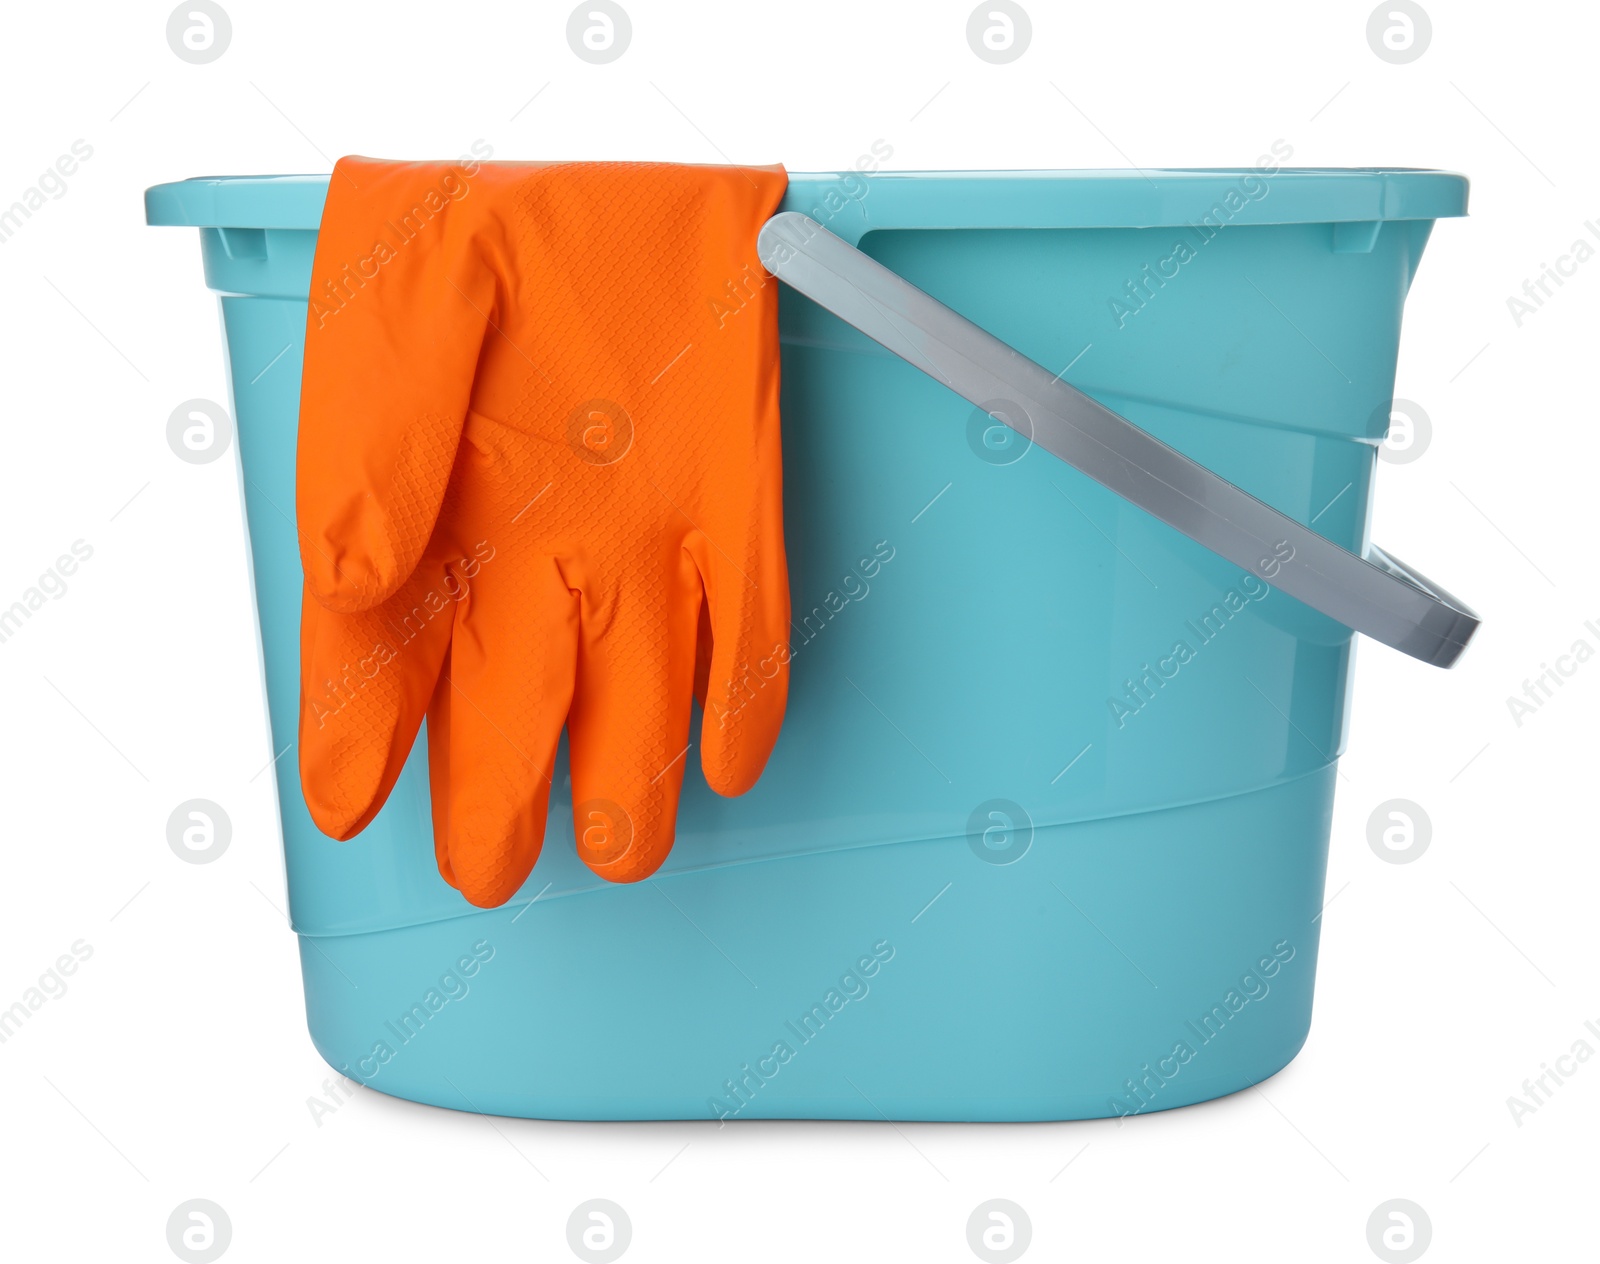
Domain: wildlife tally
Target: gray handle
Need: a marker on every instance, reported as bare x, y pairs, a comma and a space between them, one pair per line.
1378, 594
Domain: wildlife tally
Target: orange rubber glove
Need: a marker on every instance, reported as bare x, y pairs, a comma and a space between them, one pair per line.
538, 469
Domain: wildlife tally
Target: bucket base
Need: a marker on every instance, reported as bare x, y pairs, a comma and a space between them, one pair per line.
1115, 967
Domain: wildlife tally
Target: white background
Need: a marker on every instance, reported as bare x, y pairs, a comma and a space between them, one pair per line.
177, 1064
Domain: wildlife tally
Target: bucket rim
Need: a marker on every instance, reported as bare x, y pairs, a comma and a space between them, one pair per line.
868, 201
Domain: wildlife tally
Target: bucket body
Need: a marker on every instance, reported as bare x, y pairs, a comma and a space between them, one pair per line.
1045, 833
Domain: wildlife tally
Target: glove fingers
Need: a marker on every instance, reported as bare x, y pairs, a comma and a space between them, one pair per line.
365, 683
629, 729
400, 305
747, 685
494, 725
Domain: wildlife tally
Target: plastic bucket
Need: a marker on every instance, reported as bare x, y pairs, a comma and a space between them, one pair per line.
1046, 831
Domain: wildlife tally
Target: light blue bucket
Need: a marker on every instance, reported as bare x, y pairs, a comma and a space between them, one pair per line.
1045, 834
